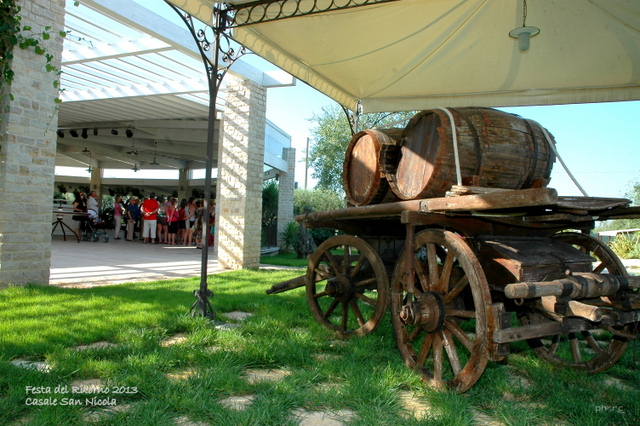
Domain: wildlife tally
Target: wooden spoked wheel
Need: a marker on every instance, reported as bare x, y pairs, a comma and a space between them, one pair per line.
347, 286
440, 324
589, 350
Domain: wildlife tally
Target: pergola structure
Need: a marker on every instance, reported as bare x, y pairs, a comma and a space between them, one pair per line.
136, 96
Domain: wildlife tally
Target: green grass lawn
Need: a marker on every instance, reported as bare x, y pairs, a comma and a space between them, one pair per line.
284, 259
156, 384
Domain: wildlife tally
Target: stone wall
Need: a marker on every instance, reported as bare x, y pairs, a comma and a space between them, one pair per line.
286, 186
28, 152
240, 171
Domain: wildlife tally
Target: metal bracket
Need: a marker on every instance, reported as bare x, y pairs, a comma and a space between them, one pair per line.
261, 11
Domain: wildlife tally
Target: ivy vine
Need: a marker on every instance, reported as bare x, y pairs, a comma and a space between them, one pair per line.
13, 34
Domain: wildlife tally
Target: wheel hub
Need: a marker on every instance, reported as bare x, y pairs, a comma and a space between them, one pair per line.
340, 287
427, 311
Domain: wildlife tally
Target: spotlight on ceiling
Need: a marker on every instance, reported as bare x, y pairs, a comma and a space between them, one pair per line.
60, 134
129, 133
74, 133
114, 132
95, 132
85, 151
84, 134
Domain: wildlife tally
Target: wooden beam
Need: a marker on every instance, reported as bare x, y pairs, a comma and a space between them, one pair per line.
493, 201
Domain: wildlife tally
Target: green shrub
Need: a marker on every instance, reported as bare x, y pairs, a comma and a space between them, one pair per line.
626, 246
289, 237
320, 235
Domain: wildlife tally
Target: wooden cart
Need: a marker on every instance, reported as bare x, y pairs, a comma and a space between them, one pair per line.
467, 274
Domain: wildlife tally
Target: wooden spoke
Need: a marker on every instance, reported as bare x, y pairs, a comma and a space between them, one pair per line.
593, 344
572, 349
437, 357
601, 267
323, 274
460, 335
366, 299
356, 311
575, 347
321, 294
432, 266
346, 263
331, 308
333, 262
454, 286
345, 315
555, 342
424, 350
358, 265
417, 331
365, 282
343, 279
422, 274
460, 313
445, 276
452, 352
456, 290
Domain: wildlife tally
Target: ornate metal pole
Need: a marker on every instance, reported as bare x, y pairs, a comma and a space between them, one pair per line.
225, 17
215, 73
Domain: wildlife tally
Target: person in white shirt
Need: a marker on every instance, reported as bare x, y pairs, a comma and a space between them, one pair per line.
92, 203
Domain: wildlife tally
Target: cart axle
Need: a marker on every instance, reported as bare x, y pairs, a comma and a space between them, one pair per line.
576, 286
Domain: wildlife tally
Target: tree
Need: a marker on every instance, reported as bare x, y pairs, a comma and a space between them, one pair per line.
270, 191
318, 199
632, 194
332, 134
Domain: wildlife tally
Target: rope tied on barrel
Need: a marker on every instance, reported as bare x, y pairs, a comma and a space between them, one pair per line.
454, 134
564, 166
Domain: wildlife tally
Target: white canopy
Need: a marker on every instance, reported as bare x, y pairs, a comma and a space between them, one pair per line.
418, 54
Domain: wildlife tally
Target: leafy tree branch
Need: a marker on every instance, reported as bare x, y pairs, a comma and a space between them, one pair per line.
13, 34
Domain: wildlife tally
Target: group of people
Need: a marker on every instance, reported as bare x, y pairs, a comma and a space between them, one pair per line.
164, 221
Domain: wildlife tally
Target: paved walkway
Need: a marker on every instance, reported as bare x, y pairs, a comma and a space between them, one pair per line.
88, 264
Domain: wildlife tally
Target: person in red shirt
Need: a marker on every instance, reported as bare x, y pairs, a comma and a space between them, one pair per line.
149, 211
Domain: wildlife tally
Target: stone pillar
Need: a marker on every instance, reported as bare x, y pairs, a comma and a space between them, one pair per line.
240, 165
286, 185
28, 151
183, 185
96, 183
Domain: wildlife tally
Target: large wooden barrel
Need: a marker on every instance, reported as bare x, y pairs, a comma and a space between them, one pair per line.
496, 149
370, 155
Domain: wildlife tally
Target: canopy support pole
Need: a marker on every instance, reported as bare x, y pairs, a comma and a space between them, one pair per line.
215, 73
353, 117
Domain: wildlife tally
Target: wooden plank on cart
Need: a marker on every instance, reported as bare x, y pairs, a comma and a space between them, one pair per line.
494, 201
362, 212
591, 203
621, 213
